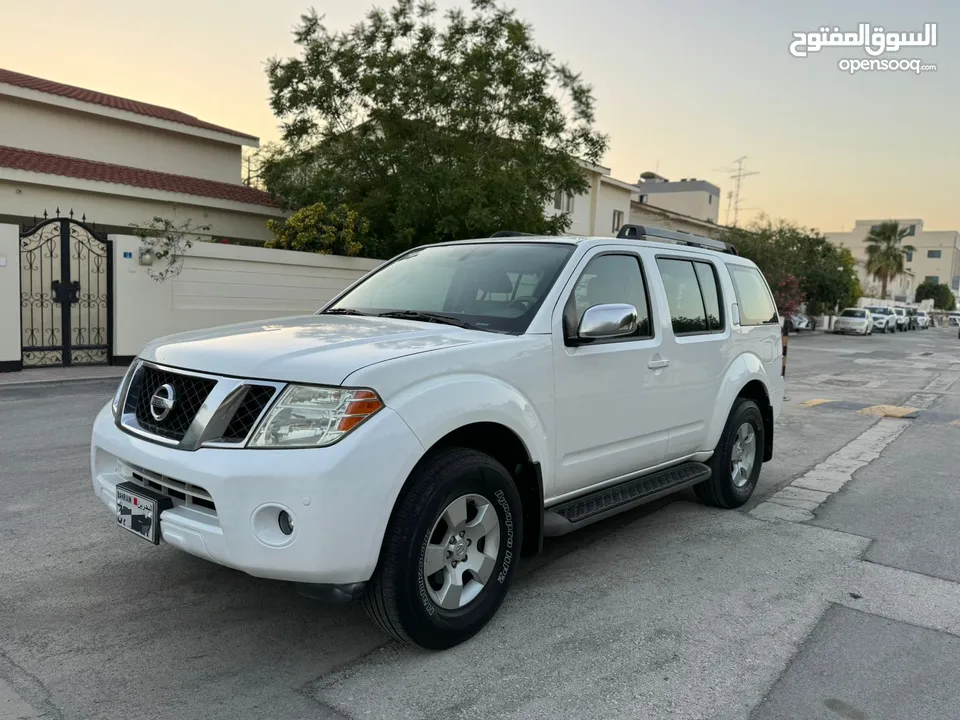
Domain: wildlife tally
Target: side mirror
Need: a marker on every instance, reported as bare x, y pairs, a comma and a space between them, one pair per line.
603, 322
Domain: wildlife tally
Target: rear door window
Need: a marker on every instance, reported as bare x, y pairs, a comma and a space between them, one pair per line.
753, 296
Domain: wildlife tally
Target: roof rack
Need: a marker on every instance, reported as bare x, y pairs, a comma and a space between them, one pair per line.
511, 233
641, 232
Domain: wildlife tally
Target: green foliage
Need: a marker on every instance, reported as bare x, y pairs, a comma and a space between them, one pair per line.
885, 253
940, 293
432, 131
800, 265
315, 229
168, 242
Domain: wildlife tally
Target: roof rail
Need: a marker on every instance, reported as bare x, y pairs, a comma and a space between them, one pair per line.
647, 232
512, 233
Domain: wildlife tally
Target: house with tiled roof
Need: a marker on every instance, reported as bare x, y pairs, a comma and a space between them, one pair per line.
121, 162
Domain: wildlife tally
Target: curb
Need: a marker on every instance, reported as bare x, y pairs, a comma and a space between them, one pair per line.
27, 384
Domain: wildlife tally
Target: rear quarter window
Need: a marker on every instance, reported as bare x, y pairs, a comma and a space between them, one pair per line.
753, 296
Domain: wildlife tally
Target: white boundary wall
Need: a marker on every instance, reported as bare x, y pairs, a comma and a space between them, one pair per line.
218, 285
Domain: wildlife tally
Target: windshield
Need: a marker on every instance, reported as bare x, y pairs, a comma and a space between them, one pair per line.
899, 311
854, 313
877, 310
491, 286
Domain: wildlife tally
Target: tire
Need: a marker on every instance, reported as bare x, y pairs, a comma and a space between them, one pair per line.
720, 490
399, 597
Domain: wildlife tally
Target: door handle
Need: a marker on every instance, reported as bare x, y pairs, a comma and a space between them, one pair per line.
657, 364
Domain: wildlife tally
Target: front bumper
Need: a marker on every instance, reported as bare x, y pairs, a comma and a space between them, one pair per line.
858, 329
340, 498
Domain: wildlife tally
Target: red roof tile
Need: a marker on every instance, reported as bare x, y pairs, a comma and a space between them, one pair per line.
39, 162
111, 101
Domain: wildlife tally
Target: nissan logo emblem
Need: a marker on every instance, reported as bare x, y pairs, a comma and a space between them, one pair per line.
162, 402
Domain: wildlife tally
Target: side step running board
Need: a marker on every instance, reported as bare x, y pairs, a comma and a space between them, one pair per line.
588, 509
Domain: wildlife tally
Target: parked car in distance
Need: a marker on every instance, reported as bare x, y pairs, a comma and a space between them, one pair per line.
884, 320
433, 422
911, 318
857, 321
902, 319
800, 323
923, 320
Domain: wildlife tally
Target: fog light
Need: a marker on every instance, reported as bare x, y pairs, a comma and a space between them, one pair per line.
286, 522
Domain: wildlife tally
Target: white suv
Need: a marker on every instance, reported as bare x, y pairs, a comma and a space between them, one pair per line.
442, 415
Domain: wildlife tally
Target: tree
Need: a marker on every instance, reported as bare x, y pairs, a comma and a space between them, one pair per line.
800, 265
169, 242
885, 252
940, 293
432, 132
340, 231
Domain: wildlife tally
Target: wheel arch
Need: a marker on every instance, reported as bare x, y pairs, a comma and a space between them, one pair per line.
755, 390
746, 378
505, 446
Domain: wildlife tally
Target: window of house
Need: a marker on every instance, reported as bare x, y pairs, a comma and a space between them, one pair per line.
611, 278
955, 283
909, 254
753, 296
563, 201
617, 220
709, 199
932, 278
933, 253
692, 295
643, 198
911, 230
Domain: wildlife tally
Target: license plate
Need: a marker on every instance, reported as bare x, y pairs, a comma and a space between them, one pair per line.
138, 510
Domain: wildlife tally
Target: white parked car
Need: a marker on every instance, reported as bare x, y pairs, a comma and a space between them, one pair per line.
854, 320
903, 321
445, 413
923, 320
884, 319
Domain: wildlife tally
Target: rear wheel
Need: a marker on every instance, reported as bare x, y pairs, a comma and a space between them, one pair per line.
449, 552
737, 458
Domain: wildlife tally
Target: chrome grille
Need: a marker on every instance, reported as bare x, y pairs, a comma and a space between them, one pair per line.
254, 401
207, 410
191, 392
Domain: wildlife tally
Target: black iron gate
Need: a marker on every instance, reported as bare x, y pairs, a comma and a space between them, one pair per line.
66, 282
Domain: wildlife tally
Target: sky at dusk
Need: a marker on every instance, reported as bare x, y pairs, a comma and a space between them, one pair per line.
682, 87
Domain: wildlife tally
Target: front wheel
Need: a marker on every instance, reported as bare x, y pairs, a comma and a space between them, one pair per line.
737, 458
450, 551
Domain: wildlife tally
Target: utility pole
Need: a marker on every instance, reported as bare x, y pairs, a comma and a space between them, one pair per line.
733, 196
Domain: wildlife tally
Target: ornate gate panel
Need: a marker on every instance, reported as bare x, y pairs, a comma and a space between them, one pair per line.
66, 279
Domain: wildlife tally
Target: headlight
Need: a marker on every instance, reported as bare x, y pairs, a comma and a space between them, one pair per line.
311, 416
115, 405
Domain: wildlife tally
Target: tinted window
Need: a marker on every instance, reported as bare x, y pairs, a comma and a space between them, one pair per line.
495, 286
933, 253
609, 279
753, 295
711, 294
683, 296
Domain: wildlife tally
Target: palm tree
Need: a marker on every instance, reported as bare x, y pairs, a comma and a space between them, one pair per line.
885, 254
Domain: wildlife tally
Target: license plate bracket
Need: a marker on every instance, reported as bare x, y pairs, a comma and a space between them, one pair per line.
138, 510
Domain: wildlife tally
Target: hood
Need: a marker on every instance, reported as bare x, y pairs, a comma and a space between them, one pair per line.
321, 349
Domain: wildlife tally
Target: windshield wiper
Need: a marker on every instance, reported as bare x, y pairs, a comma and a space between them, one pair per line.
429, 317
343, 311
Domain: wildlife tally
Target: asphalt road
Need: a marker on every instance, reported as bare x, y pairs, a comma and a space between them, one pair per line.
841, 601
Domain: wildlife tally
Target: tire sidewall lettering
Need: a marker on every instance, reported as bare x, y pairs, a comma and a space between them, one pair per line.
508, 526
